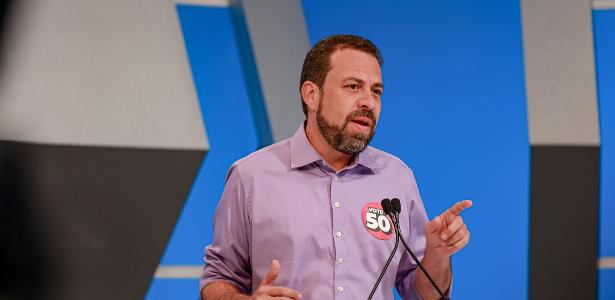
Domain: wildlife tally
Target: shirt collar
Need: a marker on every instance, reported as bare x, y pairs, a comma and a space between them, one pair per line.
303, 153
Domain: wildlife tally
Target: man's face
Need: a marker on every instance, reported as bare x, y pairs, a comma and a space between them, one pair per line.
349, 104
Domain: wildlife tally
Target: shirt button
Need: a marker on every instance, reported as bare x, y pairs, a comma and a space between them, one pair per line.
339, 233
337, 204
335, 178
340, 260
340, 289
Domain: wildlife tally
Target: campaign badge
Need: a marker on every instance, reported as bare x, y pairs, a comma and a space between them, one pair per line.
377, 223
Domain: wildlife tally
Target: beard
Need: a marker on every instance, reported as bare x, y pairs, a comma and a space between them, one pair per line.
339, 137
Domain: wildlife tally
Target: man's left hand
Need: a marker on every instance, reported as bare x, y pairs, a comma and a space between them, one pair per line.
446, 234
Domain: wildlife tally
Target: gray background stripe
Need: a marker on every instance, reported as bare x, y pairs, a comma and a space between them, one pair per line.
279, 40
559, 72
97, 73
565, 139
603, 4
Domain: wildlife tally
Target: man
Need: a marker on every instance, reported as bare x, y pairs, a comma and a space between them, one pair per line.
301, 219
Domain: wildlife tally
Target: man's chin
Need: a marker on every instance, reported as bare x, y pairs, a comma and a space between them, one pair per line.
354, 143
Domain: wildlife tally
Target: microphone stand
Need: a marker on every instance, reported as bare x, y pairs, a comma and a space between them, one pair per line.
387, 207
371, 294
395, 216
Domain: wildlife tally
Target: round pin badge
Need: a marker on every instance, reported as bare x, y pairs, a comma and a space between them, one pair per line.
376, 222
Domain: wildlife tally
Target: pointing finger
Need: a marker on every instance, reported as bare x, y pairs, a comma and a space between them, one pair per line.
456, 209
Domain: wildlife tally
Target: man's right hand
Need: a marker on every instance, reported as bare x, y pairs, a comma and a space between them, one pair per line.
266, 290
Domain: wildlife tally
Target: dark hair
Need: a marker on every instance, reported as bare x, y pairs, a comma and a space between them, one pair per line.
317, 61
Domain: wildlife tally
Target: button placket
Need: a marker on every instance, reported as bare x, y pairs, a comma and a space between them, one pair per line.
338, 238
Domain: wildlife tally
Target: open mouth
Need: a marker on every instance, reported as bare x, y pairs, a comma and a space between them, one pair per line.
362, 122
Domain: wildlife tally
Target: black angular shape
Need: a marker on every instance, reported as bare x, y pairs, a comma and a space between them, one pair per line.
92, 222
564, 185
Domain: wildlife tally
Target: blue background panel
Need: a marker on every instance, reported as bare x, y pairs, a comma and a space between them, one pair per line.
218, 78
604, 39
606, 284
170, 289
454, 111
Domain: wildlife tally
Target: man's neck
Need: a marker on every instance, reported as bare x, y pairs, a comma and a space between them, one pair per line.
334, 158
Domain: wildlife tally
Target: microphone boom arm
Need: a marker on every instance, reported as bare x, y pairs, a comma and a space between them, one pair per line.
395, 217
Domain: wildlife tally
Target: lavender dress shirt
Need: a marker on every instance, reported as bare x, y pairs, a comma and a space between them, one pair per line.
326, 228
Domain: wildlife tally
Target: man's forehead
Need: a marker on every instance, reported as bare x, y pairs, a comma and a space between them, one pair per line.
354, 63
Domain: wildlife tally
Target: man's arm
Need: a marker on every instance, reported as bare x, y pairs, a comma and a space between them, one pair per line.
440, 272
227, 273
446, 234
227, 258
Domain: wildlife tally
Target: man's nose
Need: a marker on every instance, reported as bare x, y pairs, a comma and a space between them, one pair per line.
367, 100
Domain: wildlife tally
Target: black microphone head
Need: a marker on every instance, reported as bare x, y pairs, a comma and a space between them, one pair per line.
386, 206
396, 205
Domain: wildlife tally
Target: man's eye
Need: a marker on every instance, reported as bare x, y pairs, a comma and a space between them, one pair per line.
377, 92
353, 86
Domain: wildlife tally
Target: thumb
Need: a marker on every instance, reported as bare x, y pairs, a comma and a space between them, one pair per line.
433, 226
272, 274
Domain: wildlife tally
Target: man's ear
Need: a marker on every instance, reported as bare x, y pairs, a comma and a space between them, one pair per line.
310, 93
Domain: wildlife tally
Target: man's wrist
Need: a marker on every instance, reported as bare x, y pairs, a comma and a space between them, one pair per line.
436, 262
439, 267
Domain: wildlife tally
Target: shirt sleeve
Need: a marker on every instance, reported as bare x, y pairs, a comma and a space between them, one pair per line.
228, 256
415, 237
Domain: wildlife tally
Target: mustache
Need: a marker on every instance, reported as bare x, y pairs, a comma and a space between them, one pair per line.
362, 113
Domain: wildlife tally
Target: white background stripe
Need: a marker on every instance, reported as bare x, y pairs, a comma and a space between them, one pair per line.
179, 272
218, 3
195, 271
606, 263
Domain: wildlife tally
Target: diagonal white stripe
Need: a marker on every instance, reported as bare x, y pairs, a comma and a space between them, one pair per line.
606, 262
195, 271
603, 4
217, 3
179, 272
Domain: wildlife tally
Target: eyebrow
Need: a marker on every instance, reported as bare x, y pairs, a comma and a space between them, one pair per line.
361, 81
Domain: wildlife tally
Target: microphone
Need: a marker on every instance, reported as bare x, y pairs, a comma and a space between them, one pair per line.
395, 209
396, 206
388, 208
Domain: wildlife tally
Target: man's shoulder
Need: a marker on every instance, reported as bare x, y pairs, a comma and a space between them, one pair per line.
270, 157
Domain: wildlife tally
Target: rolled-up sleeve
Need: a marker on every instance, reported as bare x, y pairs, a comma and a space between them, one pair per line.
228, 256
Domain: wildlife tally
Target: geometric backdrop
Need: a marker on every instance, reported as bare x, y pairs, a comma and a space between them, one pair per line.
455, 110
119, 120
